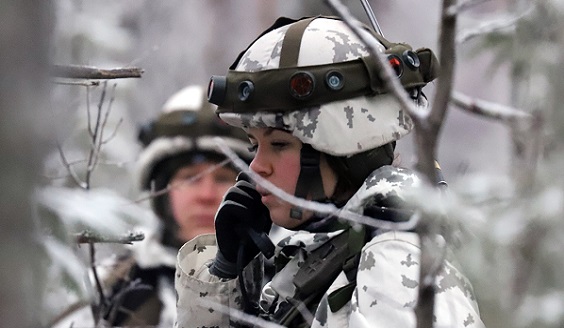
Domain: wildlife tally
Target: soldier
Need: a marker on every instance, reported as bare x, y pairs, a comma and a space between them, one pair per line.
181, 167
323, 128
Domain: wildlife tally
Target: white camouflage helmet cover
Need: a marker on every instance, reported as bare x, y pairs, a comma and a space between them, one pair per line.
190, 99
342, 127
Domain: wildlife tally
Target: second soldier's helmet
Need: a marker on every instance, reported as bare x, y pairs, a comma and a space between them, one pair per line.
184, 132
314, 78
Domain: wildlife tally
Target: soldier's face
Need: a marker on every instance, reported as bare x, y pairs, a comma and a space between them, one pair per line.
277, 159
195, 196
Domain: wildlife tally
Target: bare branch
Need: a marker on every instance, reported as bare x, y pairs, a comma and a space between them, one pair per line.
488, 109
170, 187
97, 280
68, 166
427, 131
114, 133
85, 83
89, 237
107, 114
102, 128
88, 119
95, 132
487, 27
94, 73
468, 4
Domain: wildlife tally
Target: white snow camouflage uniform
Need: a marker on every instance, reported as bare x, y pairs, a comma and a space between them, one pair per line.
386, 282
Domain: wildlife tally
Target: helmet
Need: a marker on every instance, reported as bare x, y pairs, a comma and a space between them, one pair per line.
183, 133
314, 78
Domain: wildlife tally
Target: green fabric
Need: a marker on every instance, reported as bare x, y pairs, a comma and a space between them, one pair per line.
341, 296
291, 44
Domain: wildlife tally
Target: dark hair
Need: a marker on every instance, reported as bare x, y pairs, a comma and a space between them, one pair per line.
353, 170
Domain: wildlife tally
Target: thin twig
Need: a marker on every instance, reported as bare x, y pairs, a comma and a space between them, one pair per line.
88, 113
113, 134
94, 73
468, 4
85, 83
100, 140
321, 208
97, 280
508, 25
107, 114
68, 166
488, 109
169, 187
94, 144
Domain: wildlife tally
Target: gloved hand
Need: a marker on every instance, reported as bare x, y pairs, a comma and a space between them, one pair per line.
241, 223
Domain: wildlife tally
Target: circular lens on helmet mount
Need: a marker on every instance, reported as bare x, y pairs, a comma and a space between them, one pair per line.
302, 85
411, 59
216, 89
246, 89
334, 80
396, 63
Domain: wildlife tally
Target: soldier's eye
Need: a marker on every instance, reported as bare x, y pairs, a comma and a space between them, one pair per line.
279, 144
252, 148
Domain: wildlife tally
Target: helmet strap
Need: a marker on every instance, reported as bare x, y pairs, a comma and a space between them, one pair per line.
309, 180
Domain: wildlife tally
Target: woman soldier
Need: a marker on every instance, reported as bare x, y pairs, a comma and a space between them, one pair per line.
323, 128
181, 166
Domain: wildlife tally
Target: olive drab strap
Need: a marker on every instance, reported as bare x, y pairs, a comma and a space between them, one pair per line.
309, 180
292, 41
281, 21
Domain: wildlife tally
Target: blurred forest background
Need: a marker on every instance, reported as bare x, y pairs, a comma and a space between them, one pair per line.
514, 211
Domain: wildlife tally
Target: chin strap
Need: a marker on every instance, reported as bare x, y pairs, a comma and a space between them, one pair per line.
309, 181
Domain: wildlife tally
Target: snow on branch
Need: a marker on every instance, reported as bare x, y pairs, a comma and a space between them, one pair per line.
488, 109
94, 73
89, 237
487, 27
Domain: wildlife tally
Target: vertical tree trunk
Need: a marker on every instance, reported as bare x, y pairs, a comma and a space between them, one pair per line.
24, 43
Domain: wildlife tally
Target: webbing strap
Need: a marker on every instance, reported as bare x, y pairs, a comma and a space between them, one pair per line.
292, 41
341, 296
356, 240
309, 179
325, 263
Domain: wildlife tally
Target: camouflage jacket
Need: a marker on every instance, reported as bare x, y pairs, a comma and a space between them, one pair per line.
385, 293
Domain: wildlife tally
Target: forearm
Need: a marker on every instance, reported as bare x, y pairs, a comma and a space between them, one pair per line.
203, 298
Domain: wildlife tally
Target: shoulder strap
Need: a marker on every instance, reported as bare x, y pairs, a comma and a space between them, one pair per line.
323, 265
338, 298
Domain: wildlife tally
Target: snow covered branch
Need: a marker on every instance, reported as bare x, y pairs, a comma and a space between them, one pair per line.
94, 73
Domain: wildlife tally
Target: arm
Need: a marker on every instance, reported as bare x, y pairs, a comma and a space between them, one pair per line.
387, 287
198, 290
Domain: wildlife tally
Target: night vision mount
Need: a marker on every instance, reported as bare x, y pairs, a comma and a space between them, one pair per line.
291, 87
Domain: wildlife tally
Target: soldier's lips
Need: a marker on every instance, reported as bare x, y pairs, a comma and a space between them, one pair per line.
266, 196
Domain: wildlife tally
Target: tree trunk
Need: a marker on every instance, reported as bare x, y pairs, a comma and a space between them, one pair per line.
24, 39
